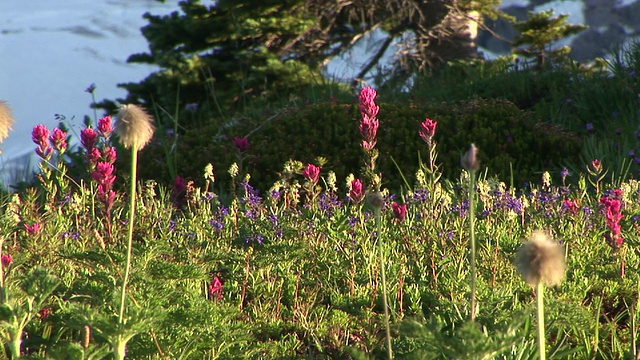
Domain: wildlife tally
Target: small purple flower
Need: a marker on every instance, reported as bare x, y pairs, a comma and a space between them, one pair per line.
91, 88
632, 153
589, 127
191, 107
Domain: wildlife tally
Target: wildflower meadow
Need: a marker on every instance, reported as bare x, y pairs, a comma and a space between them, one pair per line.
99, 264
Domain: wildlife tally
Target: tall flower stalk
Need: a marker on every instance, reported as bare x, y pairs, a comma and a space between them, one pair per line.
541, 262
376, 201
470, 163
135, 129
369, 125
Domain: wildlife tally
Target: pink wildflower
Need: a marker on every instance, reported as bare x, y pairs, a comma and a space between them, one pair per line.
368, 105
59, 140
357, 193
428, 130
399, 211
40, 136
179, 192
110, 154
571, 206
216, 288
95, 156
104, 175
6, 260
312, 173
34, 229
612, 212
241, 143
369, 130
89, 138
105, 126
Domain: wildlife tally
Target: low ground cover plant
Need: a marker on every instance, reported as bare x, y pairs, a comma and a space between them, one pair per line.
316, 266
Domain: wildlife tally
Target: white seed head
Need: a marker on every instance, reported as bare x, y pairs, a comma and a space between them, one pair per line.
541, 260
6, 120
134, 126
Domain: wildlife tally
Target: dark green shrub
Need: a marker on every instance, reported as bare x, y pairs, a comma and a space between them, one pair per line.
506, 136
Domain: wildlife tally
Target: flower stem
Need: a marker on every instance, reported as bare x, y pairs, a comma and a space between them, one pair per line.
384, 284
472, 236
541, 336
132, 211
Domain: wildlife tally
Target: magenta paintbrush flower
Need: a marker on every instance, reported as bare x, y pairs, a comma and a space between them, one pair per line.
241, 143
59, 140
357, 192
89, 138
40, 136
613, 215
368, 105
105, 126
399, 211
428, 130
312, 173
7, 260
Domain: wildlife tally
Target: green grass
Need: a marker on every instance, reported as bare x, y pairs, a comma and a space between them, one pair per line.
300, 266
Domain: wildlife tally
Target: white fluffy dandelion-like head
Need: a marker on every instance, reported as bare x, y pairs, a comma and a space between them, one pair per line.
541, 260
134, 126
6, 120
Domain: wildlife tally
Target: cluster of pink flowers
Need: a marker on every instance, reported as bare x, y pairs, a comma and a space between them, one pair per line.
102, 158
612, 210
369, 124
42, 137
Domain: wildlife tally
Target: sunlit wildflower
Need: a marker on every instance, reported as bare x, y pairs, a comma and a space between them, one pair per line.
40, 136
368, 105
541, 260
399, 211
428, 130
105, 126
469, 160
104, 175
34, 229
89, 138
6, 120
357, 192
7, 260
134, 126
613, 214
95, 156
312, 173
241, 143
59, 140
216, 288
110, 154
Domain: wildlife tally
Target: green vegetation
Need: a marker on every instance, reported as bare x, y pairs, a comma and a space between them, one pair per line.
281, 242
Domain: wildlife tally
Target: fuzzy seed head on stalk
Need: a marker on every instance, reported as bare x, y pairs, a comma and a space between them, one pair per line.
541, 260
469, 160
376, 200
6, 120
134, 126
